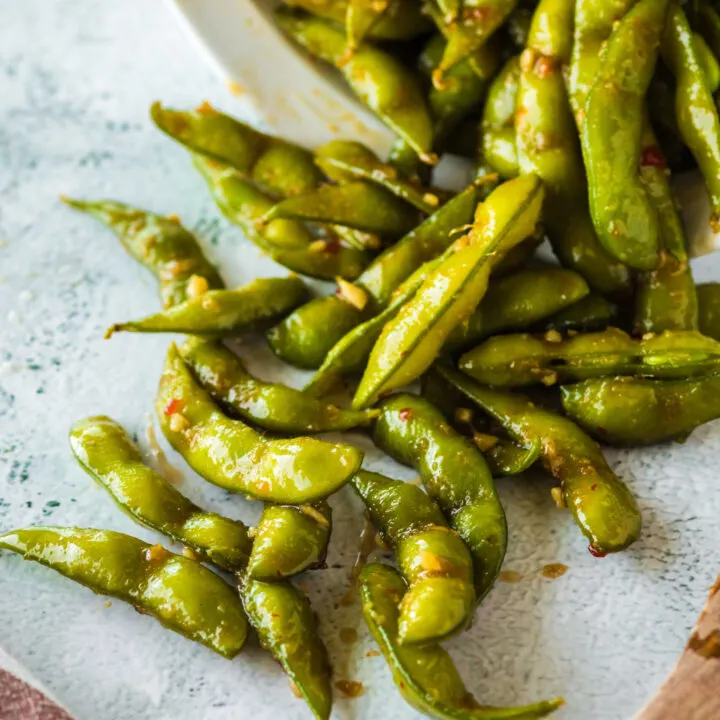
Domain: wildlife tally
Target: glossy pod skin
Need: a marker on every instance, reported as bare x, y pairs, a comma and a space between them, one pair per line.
518, 302
346, 160
547, 145
289, 540
625, 220
455, 475
306, 337
225, 313
178, 592
361, 205
271, 406
275, 165
425, 676
497, 128
283, 619
433, 559
591, 313
410, 342
600, 502
379, 80
697, 114
161, 244
709, 309
638, 411
236, 457
287, 242
517, 360
107, 453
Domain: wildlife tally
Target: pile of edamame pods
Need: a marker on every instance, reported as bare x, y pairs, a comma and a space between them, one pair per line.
576, 112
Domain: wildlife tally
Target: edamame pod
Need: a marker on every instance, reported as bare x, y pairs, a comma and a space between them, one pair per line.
625, 220
709, 309
379, 80
272, 406
224, 313
289, 540
426, 676
638, 411
410, 342
287, 242
433, 559
591, 313
708, 62
161, 244
178, 592
697, 114
346, 160
516, 360
107, 453
602, 505
275, 165
283, 619
455, 475
547, 145
360, 205
235, 457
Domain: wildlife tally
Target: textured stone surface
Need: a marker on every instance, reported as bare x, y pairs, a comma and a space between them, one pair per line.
77, 77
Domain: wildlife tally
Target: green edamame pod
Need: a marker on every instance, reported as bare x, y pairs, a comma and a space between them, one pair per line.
346, 160
625, 220
406, 161
410, 342
426, 676
161, 244
455, 475
433, 559
707, 22
518, 302
277, 166
235, 457
308, 335
360, 205
638, 411
697, 114
477, 21
497, 128
224, 313
271, 406
516, 360
287, 242
591, 313
288, 540
708, 62
602, 505
178, 592
379, 80
665, 297
547, 145
283, 619
708, 295
401, 20
107, 453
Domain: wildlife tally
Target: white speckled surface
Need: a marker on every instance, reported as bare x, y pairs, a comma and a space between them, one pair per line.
76, 79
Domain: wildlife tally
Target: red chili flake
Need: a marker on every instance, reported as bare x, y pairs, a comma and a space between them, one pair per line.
595, 552
405, 414
593, 486
652, 157
332, 246
173, 406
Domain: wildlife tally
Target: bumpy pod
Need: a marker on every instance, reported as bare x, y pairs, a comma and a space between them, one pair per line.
433, 559
455, 475
272, 406
225, 313
236, 457
591, 313
638, 411
426, 676
161, 244
600, 502
177, 591
107, 453
516, 360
